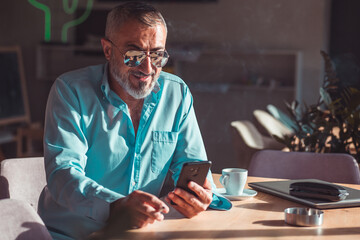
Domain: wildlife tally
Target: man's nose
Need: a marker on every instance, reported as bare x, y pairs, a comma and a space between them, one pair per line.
146, 66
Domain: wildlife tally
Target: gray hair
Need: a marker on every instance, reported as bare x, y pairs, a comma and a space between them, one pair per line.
143, 12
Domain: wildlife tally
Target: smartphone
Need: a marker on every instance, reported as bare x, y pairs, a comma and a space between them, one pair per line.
193, 171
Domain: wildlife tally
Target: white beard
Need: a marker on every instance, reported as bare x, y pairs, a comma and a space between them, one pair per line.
138, 92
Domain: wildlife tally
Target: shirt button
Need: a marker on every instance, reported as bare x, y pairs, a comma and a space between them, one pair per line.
133, 183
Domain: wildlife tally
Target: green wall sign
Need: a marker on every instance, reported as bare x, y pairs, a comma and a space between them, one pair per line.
69, 7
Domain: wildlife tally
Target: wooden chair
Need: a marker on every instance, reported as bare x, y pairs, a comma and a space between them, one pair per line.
331, 167
28, 139
30, 135
247, 140
6, 136
23, 179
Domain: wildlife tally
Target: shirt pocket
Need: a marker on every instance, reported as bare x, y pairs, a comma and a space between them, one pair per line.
164, 144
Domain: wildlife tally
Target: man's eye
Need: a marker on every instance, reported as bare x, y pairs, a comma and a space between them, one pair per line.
157, 54
140, 57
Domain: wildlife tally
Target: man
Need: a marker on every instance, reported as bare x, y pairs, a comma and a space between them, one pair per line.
113, 131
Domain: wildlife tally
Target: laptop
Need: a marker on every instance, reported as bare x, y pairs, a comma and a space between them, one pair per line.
281, 189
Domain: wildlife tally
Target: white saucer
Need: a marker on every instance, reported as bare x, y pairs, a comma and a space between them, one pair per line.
247, 193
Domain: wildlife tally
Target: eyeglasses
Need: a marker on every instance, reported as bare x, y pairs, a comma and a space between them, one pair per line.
134, 58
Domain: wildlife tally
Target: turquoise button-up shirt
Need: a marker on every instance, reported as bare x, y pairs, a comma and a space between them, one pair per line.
93, 156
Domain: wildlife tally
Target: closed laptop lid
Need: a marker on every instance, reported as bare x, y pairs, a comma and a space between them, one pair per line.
281, 189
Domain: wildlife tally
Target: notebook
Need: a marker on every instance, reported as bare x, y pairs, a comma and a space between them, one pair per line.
281, 189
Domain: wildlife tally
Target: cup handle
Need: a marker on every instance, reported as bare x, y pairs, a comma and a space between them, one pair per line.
224, 179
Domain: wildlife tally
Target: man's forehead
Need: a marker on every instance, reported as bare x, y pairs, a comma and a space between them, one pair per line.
138, 33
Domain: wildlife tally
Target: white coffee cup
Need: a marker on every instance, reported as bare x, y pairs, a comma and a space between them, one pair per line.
234, 180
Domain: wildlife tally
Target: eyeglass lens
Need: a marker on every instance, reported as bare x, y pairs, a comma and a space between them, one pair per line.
134, 58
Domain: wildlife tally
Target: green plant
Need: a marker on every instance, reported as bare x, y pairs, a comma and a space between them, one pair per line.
330, 125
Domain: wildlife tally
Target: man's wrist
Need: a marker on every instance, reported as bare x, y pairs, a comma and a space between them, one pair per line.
115, 207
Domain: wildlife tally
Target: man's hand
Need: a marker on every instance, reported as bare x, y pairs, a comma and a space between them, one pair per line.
188, 204
137, 210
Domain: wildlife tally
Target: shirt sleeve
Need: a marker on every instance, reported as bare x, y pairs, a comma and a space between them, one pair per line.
65, 148
219, 202
190, 147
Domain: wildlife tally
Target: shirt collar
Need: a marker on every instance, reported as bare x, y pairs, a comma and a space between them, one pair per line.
156, 88
105, 87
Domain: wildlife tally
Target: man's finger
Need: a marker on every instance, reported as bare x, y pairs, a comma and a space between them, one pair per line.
181, 206
145, 209
151, 200
203, 193
179, 199
207, 184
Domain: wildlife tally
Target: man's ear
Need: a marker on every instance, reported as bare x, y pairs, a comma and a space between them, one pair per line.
106, 46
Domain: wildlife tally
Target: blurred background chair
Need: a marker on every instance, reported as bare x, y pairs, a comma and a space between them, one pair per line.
247, 140
331, 167
21, 222
23, 179
281, 116
271, 124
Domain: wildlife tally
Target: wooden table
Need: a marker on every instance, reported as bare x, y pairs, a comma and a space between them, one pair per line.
261, 217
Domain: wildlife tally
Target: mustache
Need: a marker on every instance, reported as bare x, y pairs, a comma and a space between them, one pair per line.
141, 74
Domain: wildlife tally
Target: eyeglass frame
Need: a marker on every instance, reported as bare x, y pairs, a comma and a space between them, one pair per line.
147, 54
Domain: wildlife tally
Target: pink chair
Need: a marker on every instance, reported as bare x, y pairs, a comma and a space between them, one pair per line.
331, 167
20, 221
23, 179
